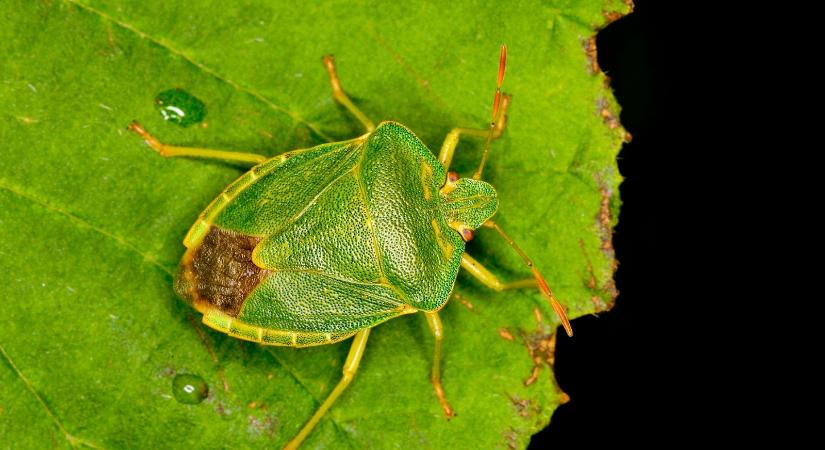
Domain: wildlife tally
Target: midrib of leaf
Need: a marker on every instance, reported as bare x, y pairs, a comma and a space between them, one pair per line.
203, 68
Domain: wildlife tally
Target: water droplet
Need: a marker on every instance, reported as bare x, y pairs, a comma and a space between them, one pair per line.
180, 107
189, 389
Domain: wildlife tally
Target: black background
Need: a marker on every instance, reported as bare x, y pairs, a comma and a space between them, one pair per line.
610, 368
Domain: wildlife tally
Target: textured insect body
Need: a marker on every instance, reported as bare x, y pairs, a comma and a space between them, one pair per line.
311, 246
321, 244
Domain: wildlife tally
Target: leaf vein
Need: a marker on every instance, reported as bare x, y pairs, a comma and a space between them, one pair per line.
15, 190
204, 68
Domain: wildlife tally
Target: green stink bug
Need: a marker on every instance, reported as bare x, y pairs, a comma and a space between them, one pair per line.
317, 245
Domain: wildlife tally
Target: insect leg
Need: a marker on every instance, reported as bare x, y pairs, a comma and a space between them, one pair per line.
488, 279
359, 343
445, 156
170, 150
341, 96
438, 333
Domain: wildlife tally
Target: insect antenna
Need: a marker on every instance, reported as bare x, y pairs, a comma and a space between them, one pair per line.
502, 62
542, 284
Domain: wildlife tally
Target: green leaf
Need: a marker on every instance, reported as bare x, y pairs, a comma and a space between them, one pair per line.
91, 220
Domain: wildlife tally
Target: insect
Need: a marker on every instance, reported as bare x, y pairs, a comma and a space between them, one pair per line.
321, 244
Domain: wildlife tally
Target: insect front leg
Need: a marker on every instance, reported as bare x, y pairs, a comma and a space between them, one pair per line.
445, 156
359, 343
485, 276
438, 333
169, 151
482, 274
342, 97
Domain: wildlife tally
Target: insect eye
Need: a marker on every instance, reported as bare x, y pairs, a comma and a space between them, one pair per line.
452, 177
467, 234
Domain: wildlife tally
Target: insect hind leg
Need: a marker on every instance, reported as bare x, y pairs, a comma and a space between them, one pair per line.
359, 343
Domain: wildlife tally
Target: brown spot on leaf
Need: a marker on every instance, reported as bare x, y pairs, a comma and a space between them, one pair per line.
591, 280
505, 334
167, 371
605, 225
627, 138
592, 55
612, 16
524, 406
265, 425
511, 438
592, 284
541, 346
607, 114
463, 301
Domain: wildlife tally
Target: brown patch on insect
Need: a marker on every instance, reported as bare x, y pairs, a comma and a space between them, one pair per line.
541, 345
592, 55
222, 271
524, 406
606, 114
212, 354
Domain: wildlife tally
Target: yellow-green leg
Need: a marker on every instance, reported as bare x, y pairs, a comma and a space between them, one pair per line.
341, 96
435, 377
488, 279
359, 343
171, 150
445, 156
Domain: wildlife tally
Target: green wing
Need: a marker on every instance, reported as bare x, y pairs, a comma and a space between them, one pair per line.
351, 235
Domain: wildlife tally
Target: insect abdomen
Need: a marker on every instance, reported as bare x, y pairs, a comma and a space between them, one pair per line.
220, 272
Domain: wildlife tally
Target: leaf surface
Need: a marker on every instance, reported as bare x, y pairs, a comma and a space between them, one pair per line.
91, 220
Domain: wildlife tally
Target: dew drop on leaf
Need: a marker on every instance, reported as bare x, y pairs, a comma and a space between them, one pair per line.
180, 107
189, 389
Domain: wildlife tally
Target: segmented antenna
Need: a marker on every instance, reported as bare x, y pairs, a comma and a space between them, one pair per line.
502, 62
542, 284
